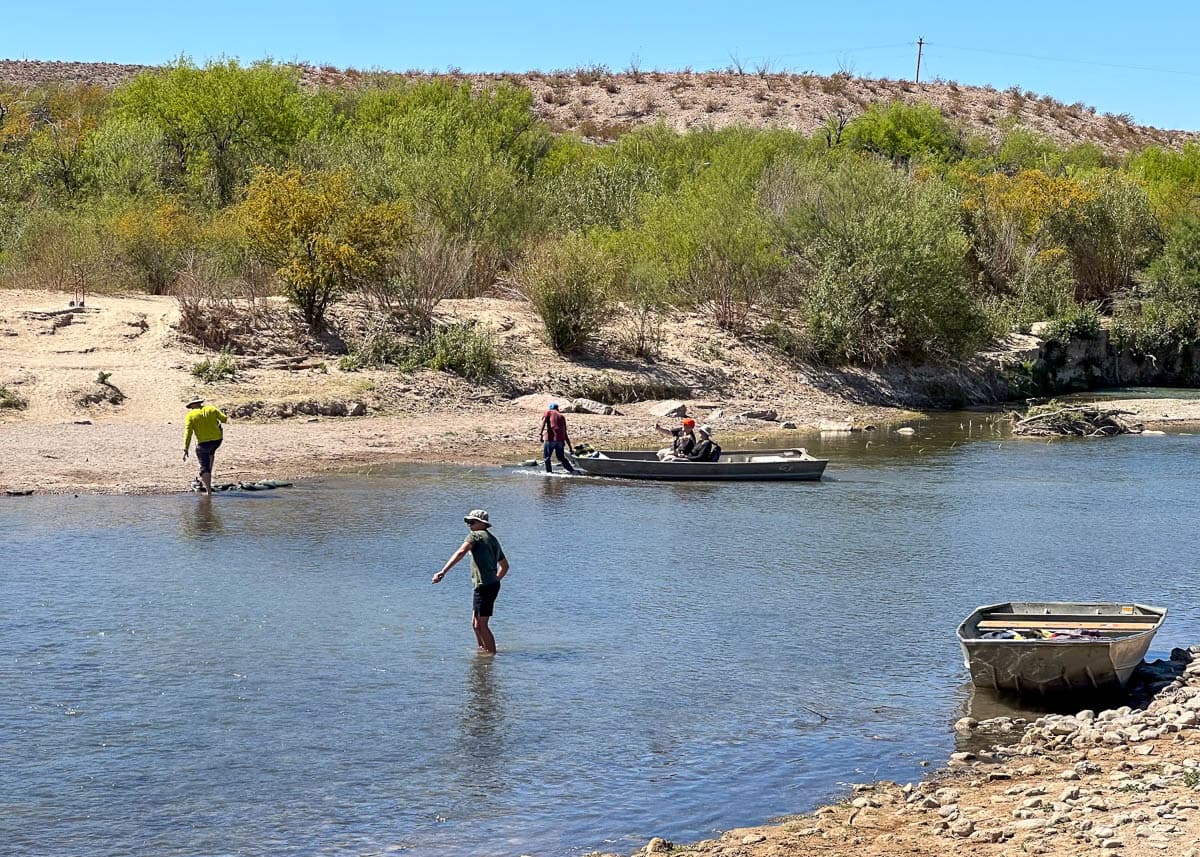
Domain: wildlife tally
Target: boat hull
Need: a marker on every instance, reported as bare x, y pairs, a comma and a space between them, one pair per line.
1052, 667
739, 466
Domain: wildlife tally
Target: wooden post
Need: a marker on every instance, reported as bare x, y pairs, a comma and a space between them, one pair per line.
920, 46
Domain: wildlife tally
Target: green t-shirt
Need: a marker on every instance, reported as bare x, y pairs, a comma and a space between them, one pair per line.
486, 554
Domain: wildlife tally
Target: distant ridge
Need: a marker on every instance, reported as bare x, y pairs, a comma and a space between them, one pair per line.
601, 104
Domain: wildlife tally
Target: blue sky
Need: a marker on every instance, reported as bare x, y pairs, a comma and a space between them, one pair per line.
1121, 58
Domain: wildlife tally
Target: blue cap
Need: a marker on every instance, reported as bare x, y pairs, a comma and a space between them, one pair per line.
554, 406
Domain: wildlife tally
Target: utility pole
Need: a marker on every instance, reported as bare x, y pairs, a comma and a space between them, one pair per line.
920, 46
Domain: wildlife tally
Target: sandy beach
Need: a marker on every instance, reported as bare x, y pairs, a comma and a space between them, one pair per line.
50, 356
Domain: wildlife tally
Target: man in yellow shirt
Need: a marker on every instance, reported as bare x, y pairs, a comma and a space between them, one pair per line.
203, 421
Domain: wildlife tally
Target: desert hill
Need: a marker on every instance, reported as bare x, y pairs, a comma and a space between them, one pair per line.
602, 104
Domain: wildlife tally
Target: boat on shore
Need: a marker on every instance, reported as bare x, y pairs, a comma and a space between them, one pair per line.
1043, 648
738, 465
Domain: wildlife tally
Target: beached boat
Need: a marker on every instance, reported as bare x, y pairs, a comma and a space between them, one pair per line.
1041, 648
747, 465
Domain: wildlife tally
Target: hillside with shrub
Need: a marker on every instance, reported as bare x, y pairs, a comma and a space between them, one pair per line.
894, 234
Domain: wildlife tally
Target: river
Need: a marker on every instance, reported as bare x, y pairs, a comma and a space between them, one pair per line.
274, 674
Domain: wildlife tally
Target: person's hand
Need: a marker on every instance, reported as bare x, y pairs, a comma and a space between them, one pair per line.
185, 455
500, 575
437, 578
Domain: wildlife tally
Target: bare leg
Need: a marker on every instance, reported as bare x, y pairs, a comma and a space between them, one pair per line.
206, 481
478, 636
484, 634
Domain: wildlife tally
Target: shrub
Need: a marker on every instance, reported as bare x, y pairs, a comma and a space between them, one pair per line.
11, 400
1079, 322
1165, 319
377, 346
731, 280
320, 238
152, 238
62, 251
1109, 233
879, 262
457, 348
569, 283
215, 309
422, 273
902, 132
213, 370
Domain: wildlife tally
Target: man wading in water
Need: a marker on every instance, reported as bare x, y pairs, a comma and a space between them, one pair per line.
488, 567
203, 421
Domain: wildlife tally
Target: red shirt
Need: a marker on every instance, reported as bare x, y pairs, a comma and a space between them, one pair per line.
555, 426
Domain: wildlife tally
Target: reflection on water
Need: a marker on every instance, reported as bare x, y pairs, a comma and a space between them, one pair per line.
481, 726
667, 654
202, 520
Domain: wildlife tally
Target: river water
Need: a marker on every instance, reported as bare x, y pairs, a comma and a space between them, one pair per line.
274, 674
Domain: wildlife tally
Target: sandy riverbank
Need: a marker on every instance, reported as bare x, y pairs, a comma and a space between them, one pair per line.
50, 357
1122, 781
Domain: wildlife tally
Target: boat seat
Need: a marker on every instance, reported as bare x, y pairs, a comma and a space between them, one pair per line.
999, 624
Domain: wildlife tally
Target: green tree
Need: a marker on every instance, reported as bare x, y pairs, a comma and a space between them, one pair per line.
220, 121
903, 132
879, 262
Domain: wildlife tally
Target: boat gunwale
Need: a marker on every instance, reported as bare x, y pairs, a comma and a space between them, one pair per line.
1158, 614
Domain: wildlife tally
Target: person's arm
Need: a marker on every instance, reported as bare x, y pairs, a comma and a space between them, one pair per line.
503, 568
701, 451
221, 416
187, 435
453, 561
567, 439
542, 430
662, 430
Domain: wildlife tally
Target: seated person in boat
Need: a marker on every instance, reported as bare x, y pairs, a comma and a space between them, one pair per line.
706, 448
684, 443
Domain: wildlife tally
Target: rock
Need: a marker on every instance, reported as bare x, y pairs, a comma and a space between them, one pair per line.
1029, 824
765, 414
789, 425
835, 426
670, 408
753, 839
987, 836
1112, 843
658, 845
83, 422
963, 827
591, 406
906, 430
965, 724
357, 409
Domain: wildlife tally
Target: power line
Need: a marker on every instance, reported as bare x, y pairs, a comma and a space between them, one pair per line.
1066, 60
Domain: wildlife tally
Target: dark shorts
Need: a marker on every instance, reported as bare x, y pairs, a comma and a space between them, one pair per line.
485, 598
204, 454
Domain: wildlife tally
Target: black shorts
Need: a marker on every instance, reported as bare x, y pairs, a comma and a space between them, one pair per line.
204, 454
484, 598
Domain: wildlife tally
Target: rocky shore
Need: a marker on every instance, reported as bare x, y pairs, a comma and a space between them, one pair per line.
1122, 781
